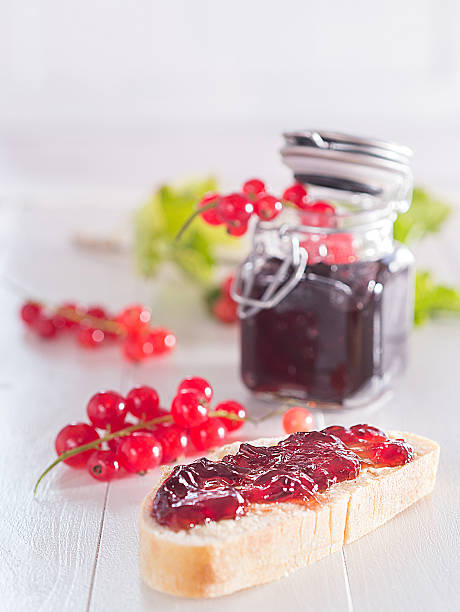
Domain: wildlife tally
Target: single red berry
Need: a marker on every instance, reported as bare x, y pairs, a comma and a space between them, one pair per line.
340, 249
107, 409
198, 385
210, 215
139, 452
89, 337
136, 347
237, 230
253, 187
296, 419
98, 312
73, 435
30, 311
319, 214
143, 402
162, 340
227, 285
235, 209
297, 195
208, 435
59, 322
44, 326
174, 441
103, 465
368, 433
134, 318
267, 207
315, 245
189, 409
225, 310
234, 408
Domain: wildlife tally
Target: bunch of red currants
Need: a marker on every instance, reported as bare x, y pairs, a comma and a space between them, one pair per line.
235, 210
155, 436
94, 327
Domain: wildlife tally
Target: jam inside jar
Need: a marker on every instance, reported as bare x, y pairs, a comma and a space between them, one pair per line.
325, 297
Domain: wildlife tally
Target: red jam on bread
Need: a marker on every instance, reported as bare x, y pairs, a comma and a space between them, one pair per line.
296, 468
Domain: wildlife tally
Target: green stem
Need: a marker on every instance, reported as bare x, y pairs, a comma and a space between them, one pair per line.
119, 434
104, 324
192, 217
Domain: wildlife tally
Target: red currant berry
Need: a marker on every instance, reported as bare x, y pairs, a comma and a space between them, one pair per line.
225, 310
267, 207
315, 245
198, 385
174, 441
226, 286
210, 215
143, 402
320, 214
208, 435
59, 322
137, 346
368, 433
162, 340
340, 249
237, 230
297, 195
30, 311
98, 312
134, 318
297, 419
90, 337
189, 409
73, 435
234, 209
253, 187
107, 409
44, 326
139, 452
103, 465
234, 408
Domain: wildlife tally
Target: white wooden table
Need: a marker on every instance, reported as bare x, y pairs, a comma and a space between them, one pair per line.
74, 545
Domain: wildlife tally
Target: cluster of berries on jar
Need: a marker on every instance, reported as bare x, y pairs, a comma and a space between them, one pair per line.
94, 327
236, 209
134, 434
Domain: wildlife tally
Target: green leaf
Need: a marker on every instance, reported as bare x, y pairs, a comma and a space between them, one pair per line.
158, 222
425, 216
431, 300
194, 256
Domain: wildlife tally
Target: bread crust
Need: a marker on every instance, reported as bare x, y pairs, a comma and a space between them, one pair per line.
273, 540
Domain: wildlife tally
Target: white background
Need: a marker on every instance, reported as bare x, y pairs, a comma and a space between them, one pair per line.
119, 94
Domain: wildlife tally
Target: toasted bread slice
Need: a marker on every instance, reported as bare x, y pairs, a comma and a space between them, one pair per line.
272, 540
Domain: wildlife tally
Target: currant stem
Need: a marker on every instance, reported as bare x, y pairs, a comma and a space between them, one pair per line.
119, 434
104, 324
189, 221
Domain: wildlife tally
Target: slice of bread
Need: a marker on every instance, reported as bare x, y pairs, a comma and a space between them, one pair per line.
272, 540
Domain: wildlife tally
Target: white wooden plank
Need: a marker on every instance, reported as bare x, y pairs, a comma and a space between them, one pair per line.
47, 543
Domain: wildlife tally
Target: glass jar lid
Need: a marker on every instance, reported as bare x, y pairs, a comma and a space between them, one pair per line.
349, 163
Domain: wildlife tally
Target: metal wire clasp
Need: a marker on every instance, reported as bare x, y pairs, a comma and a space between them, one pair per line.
278, 289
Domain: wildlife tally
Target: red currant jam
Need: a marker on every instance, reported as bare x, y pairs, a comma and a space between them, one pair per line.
339, 331
297, 468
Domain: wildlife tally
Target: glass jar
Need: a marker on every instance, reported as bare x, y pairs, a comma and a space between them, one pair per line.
325, 296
